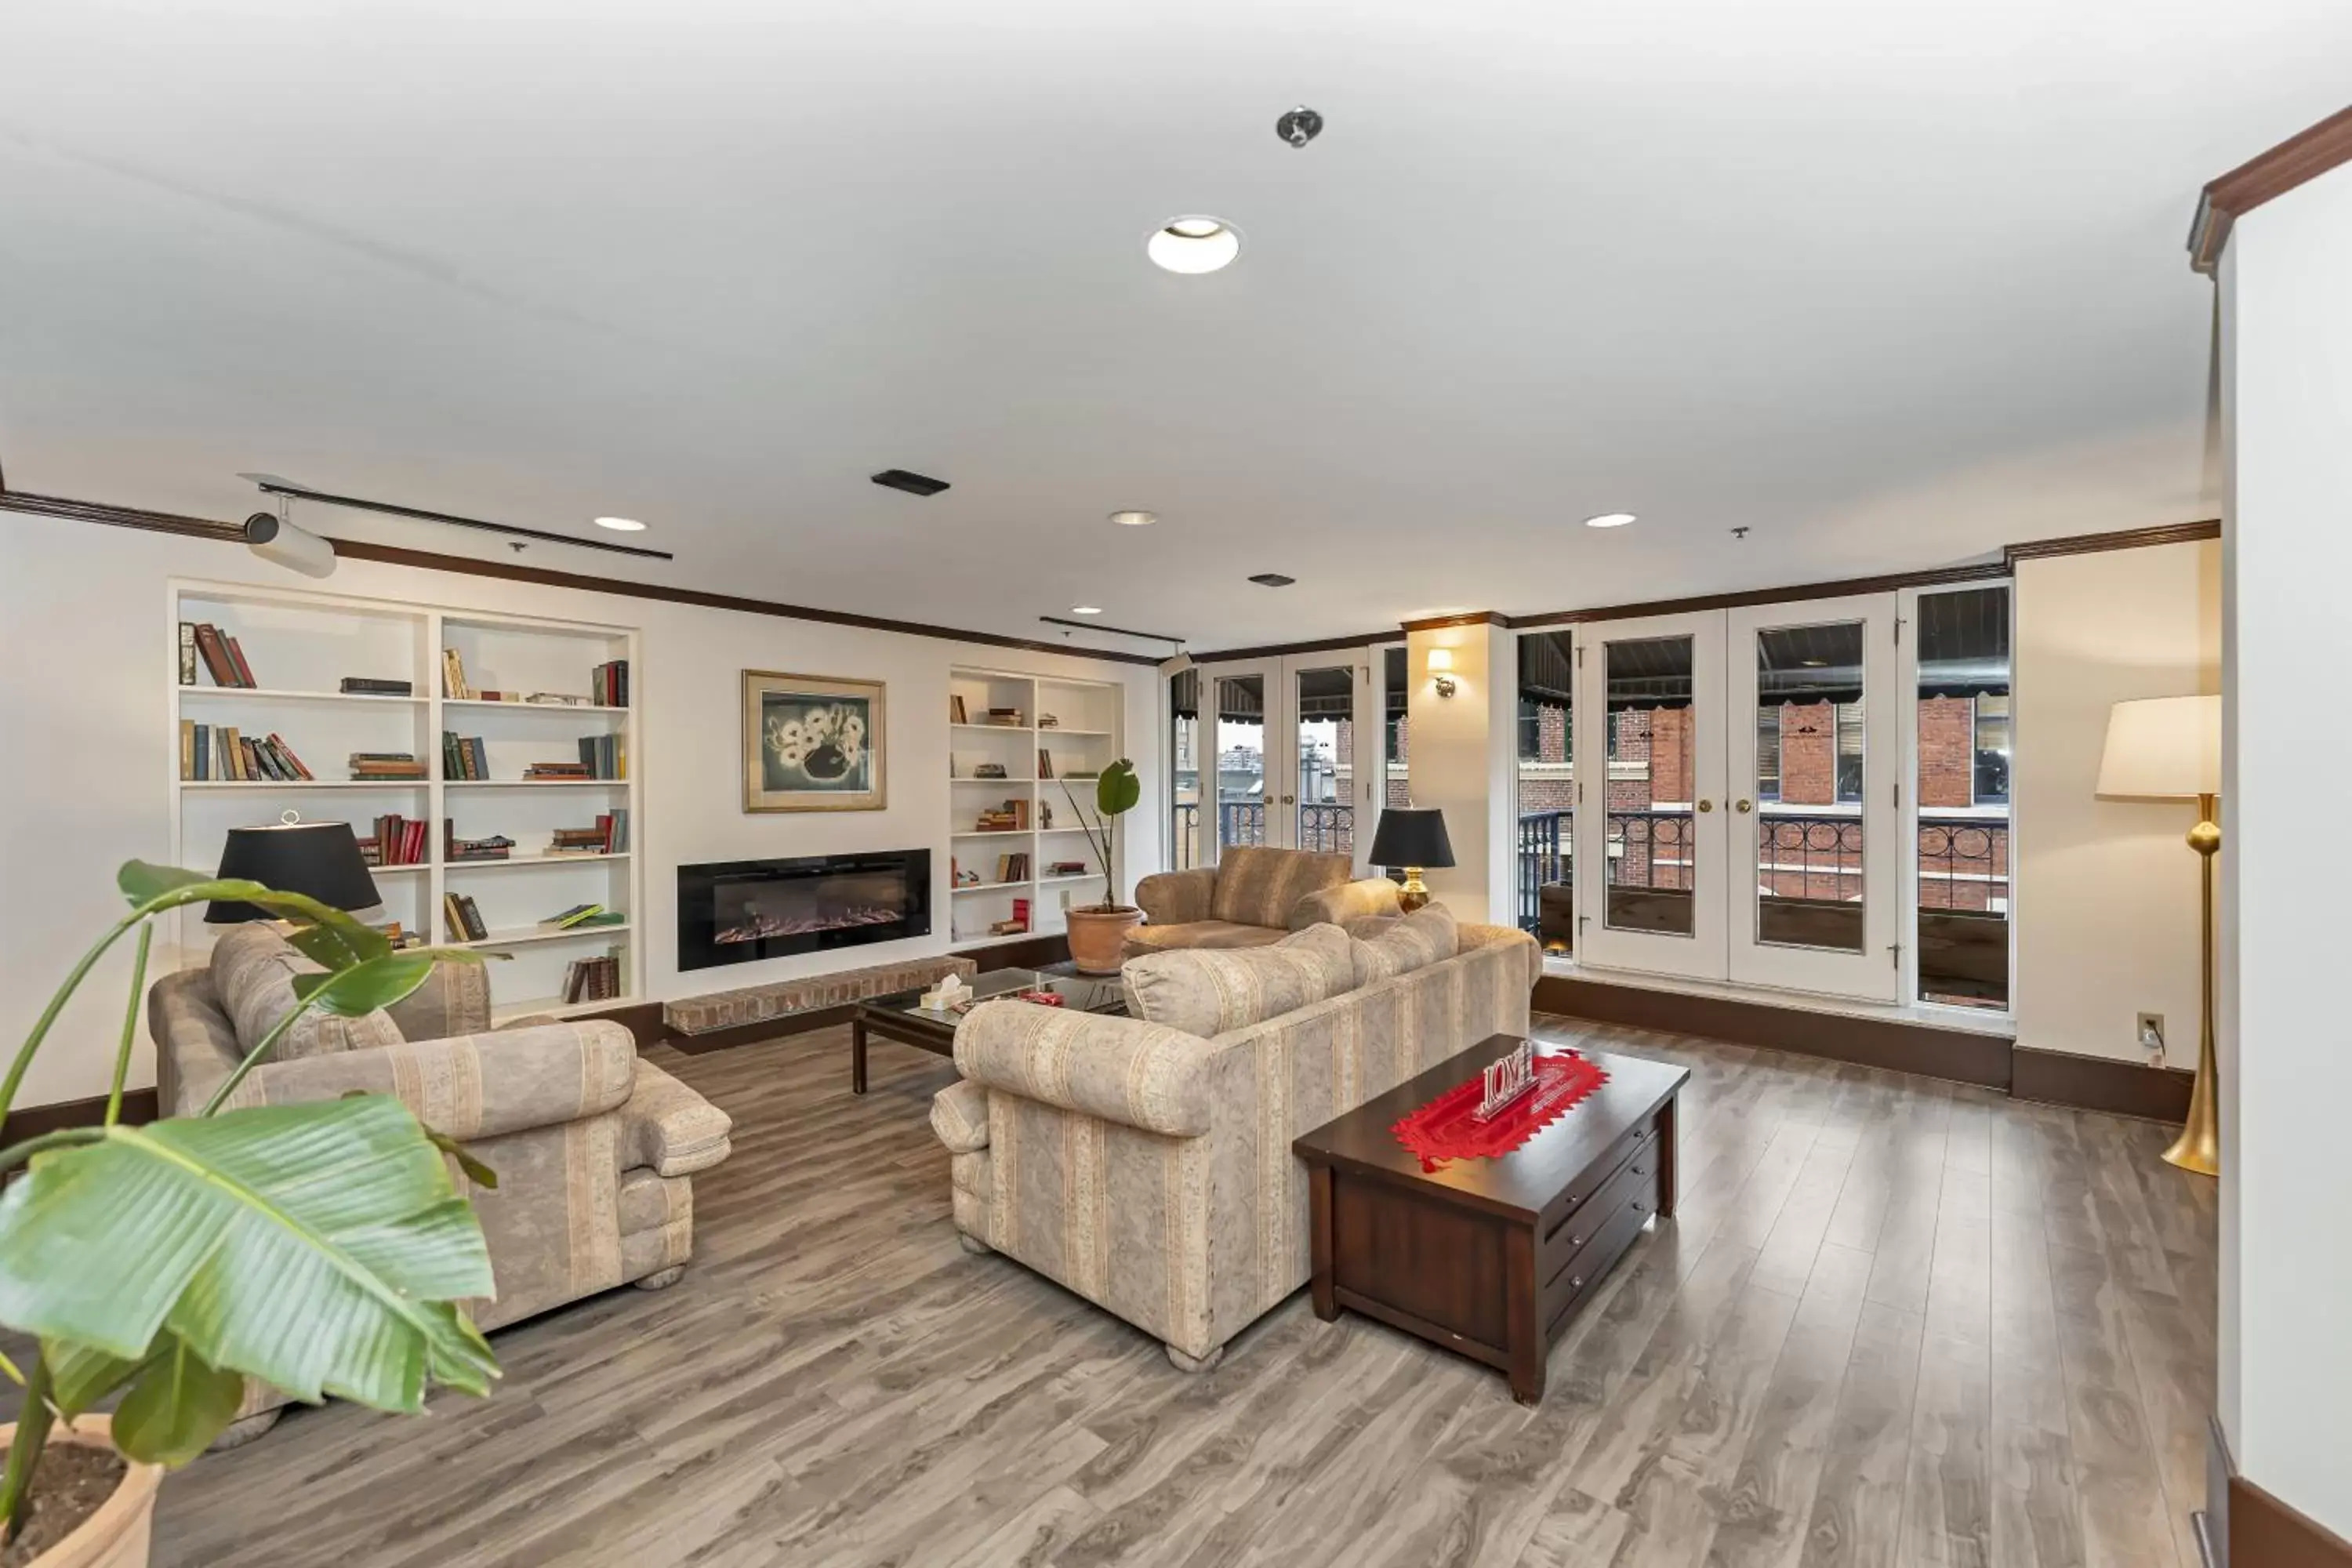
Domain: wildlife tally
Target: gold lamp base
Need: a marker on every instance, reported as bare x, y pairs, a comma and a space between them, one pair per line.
2198, 1147
1414, 893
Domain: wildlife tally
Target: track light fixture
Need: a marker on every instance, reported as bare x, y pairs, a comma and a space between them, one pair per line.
274, 538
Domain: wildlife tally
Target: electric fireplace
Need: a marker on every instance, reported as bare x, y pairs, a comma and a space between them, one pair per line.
734, 911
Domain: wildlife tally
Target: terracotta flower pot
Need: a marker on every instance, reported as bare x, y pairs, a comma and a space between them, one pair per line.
1099, 937
116, 1535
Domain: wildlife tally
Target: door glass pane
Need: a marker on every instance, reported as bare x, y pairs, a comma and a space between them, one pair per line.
1809, 786
1186, 848
1547, 789
1327, 768
1650, 835
1241, 759
1396, 786
1964, 759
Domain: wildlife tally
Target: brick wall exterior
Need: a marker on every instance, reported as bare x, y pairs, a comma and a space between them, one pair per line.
1947, 752
1809, 753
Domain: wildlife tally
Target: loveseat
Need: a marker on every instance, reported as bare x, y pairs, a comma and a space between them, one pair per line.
1145, 1163
1253, 897
592, 1147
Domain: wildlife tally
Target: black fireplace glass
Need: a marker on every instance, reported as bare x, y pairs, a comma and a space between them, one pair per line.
736, 911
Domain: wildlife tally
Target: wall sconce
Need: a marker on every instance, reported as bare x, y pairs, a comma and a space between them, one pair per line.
1441, 661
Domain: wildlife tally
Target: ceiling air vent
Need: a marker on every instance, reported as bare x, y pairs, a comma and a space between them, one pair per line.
1272, 579
912, 483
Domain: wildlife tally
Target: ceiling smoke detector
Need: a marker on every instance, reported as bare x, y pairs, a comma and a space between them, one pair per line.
1193, 244
904, 479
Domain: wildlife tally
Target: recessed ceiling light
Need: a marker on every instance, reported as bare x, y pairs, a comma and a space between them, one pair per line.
1086, 609
1193, 244
1609, 520
621, 524
1135, 518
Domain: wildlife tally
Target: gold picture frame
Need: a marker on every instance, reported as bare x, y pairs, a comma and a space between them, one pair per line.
813, 742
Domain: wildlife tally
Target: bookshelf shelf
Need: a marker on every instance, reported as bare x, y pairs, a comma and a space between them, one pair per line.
524, 936
268, 694
305, 643
1086, 736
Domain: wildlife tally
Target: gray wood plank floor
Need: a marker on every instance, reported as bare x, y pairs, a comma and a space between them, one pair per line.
1896, 1322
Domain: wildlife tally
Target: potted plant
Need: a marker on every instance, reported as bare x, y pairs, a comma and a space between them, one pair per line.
1099, 931
320, 1248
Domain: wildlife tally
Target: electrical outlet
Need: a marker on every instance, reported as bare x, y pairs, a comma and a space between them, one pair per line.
2150, 1035
1065, 897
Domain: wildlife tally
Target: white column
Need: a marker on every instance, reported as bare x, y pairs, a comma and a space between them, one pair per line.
1459, 749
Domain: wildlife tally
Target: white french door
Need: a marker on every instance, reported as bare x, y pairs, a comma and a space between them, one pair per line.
1815, 755
1650, 872
1286, 754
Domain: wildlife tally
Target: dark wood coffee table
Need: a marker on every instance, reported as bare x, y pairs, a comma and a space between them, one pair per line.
1490, 1257
901, 1017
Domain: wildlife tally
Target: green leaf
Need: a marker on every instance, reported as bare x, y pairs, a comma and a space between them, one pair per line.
177, 1406
1118, 790
482, 1175
152, 889
140, 882
81, 1376
363, 987
335, 947
316, 1247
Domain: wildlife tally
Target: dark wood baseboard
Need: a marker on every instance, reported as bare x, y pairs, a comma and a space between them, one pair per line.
30, 1122
2101, 1083
1899, 1045
2249, 1528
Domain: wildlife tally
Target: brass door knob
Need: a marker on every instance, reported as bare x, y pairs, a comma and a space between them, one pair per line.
1707, 805
1747, 805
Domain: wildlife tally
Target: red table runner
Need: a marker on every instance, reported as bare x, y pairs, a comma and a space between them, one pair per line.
1448, 1127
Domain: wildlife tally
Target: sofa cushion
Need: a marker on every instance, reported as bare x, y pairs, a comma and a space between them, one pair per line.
960, 1117
1258, 887
253, 970
1422, 938
1146, 940
1206, 992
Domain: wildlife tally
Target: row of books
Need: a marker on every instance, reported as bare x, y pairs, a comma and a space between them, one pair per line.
1018, 923
958, 713
497, 846
609, 683
398, 841
464, 918
466, 757
210, 753
609, 836
224, 660
592, 979
584, 915
387, 767
1013, 816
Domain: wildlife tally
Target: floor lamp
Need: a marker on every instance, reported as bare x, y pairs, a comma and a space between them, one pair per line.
2170, 748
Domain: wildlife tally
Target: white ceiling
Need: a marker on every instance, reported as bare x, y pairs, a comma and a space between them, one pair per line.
1890, 284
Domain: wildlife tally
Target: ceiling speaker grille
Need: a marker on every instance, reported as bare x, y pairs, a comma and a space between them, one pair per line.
914, 484
1272, 579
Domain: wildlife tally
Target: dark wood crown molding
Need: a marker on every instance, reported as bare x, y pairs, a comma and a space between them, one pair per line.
1466, 618
2127, 539
1285, 649
1932, 577
2301, 158
432, 560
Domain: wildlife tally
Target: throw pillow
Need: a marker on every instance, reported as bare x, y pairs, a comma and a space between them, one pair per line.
1424, 937
253, 970
1260, 886
1208, 991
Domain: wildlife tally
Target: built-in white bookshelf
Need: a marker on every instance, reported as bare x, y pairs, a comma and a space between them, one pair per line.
1036, 756
300, 646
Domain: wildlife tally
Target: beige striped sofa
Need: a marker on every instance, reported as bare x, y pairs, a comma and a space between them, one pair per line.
1147, 1166
593, 1147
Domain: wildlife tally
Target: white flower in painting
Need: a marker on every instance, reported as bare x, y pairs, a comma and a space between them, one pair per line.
788, 740
852, 748
853, 727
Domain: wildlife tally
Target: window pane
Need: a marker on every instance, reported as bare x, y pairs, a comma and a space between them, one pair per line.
1649, 785
1547, 789
1240, 760
1326, 772
1963, 792
1185, 847
1809, 873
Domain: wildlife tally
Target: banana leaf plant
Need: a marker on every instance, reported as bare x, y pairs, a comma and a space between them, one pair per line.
321, 1248
1117, 789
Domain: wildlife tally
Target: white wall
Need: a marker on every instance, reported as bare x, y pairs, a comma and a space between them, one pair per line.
86, 635
2286, 1361
2107, 904
1460, 751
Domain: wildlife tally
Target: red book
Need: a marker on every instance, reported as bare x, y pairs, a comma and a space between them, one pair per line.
287, 752
215, 654
236, 658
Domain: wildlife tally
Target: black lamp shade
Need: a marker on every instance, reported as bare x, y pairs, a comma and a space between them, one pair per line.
320, 860
1412, 835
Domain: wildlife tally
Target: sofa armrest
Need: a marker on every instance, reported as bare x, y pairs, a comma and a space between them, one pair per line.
1120, 1070
474, 1086
1177, 897
1347, 901
670, 1127
960, 1117
1473, 935
454, 1000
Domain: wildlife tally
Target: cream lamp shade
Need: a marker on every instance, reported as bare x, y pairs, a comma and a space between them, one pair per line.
2163, 748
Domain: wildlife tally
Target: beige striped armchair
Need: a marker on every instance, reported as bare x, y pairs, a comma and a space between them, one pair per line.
593, 1147
1145, 1163
1253, 897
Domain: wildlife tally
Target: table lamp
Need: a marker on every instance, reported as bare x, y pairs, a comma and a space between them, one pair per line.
2170, 748
1413, 837
319, 860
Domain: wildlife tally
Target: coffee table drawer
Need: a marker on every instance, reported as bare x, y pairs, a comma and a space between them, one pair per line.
1579, 1278
1560, 1239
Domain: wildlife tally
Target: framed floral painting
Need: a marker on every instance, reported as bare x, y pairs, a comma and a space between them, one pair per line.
812, 742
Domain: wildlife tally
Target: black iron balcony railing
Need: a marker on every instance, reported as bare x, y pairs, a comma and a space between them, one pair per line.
1328, 826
